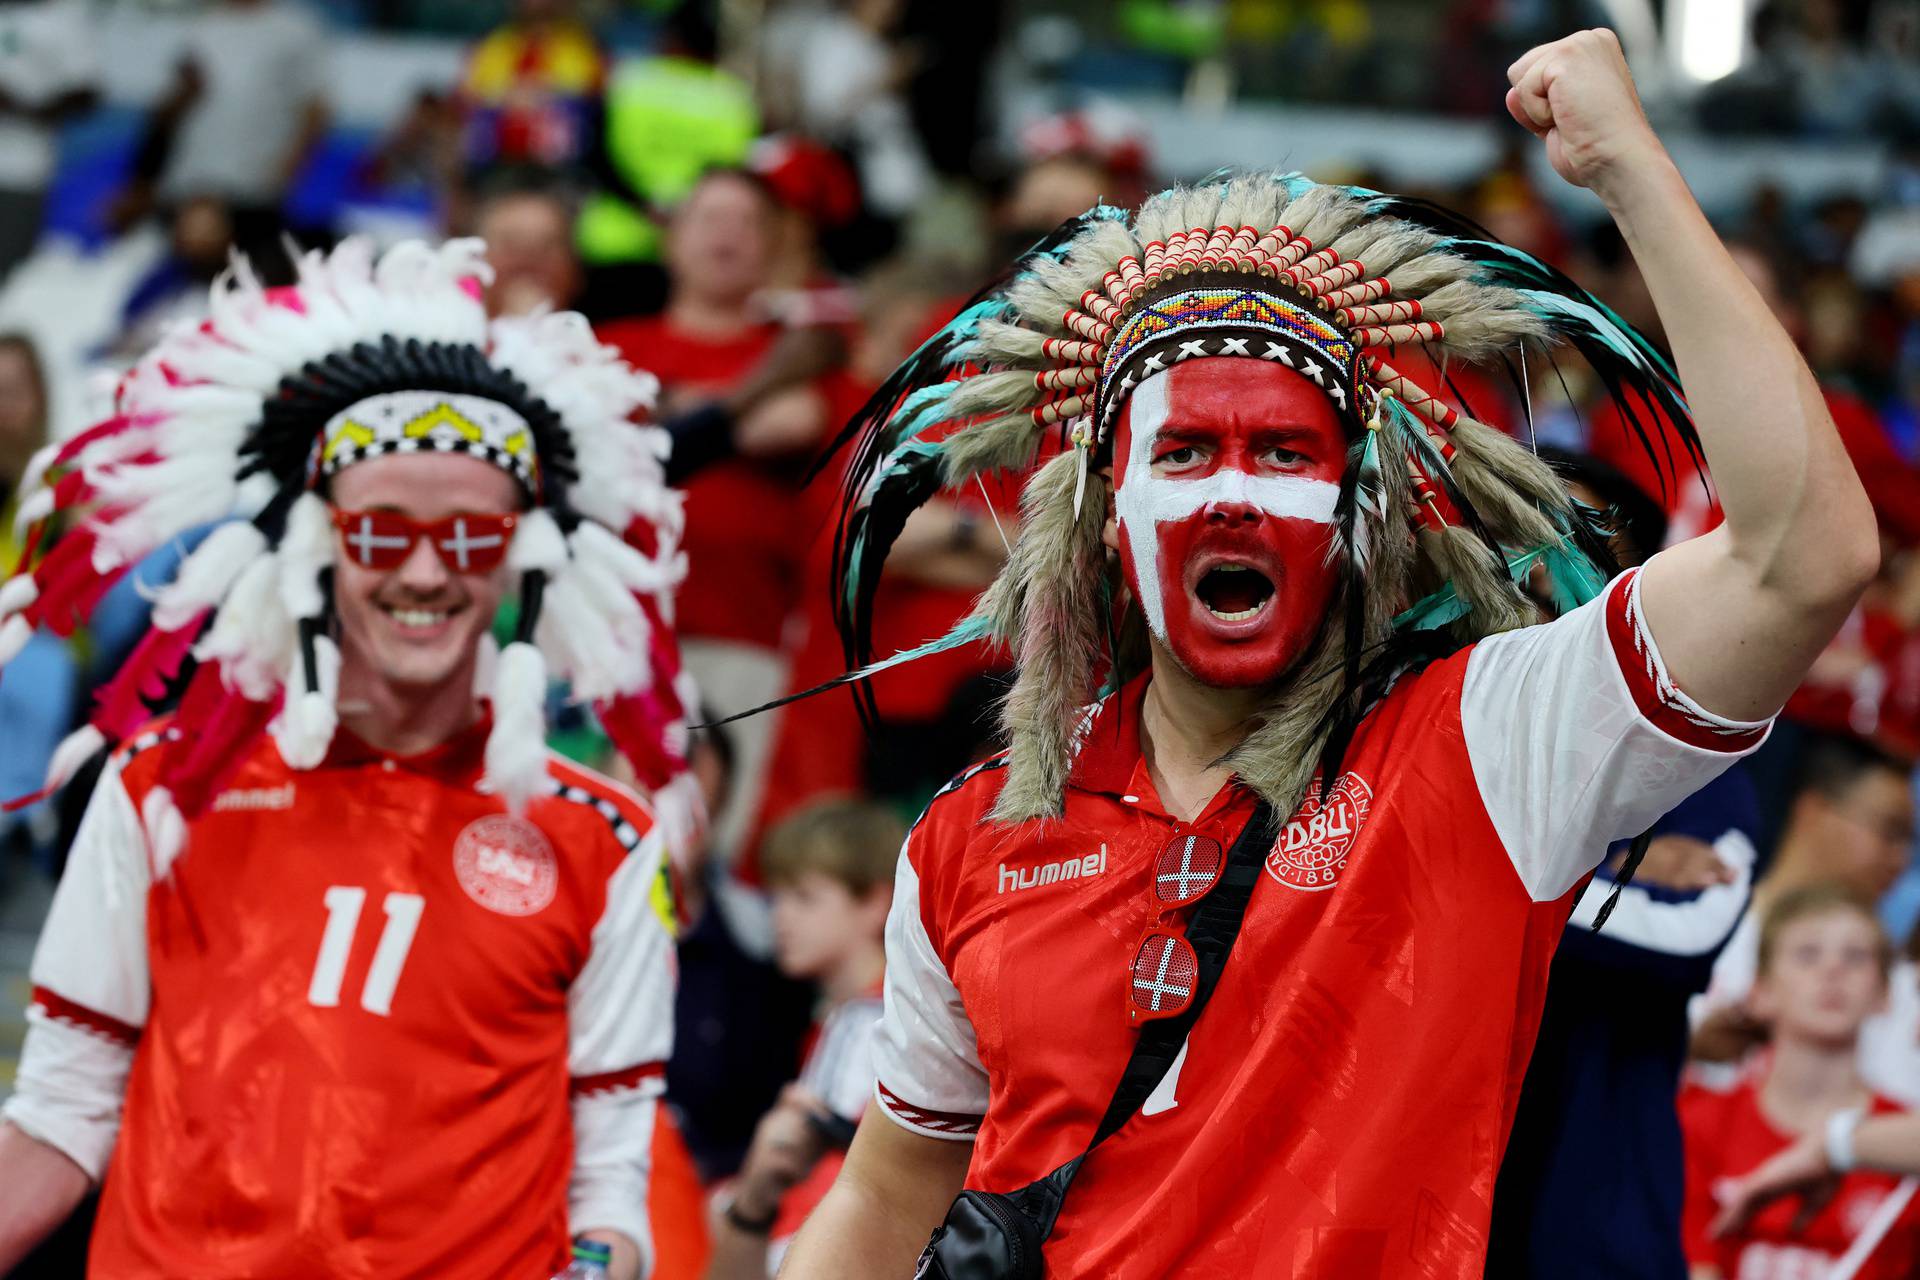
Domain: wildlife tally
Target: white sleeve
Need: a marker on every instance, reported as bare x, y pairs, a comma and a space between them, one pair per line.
1690, 928
90, 987
929, 1077
620, 1030
1577, 737
612, 1159
839, 1070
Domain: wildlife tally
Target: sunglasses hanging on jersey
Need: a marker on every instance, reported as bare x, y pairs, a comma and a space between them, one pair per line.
1165, 968
465, 543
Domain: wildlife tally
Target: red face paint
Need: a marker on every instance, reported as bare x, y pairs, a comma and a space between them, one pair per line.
1226, 473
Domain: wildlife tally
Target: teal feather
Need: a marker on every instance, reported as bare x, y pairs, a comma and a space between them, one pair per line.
1575, 580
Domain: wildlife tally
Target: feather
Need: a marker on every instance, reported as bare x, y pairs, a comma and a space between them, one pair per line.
308, 717
205, 576
138, 689
306, 552
516, 752
216, 726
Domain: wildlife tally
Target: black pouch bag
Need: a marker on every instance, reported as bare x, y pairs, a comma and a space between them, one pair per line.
988, 1235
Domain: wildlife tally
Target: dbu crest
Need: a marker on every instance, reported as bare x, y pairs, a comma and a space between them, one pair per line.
1313, 846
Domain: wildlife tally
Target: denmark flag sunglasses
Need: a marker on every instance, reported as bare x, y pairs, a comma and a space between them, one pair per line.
1166, 971
465, 543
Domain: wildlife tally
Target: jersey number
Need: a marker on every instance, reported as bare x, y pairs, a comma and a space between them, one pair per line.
330, 969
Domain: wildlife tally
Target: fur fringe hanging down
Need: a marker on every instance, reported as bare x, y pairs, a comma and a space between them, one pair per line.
1440, 513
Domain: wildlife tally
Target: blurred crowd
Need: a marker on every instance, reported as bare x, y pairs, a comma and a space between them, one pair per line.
770, 232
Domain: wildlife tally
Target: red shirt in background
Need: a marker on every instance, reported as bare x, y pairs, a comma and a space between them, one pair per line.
744, 558
1727, 1135
1892, 485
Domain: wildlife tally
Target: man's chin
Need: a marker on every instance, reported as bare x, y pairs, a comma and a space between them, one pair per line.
423, 672
1221, 667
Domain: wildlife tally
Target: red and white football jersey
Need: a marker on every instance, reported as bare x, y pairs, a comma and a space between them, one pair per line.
1727, 1135
1342, 1104
366, 1024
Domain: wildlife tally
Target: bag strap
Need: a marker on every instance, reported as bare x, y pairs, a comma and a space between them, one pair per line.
1211, 930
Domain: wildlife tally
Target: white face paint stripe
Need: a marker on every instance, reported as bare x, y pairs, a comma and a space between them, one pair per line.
1282, 497
1145, 500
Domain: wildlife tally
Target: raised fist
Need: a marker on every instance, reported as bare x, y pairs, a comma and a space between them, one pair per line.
1577, 94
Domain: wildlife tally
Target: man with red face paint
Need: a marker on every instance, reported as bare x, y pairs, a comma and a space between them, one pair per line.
1229, 475
347, 976
1316, 590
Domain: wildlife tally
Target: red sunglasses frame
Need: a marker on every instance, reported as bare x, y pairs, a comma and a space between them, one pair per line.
466, 542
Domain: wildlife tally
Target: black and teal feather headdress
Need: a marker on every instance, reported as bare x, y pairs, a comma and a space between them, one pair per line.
1440, 518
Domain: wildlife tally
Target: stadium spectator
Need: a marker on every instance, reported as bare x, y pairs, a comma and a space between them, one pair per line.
1822, 970
528, 228
1593, 1179
38, 696
1851, 821
669, 118
173, 290
738, 1022
49, 73
247, 104
532, 88
830, 871
743, 542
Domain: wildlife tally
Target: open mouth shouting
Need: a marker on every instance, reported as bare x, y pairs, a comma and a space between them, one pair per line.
1234, 592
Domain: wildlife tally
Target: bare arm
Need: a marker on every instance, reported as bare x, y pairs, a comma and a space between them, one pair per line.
1888, 1143
1740, 613
892, 1192
42, 1188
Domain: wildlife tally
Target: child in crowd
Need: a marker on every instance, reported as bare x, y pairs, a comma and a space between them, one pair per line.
1823, 963
829, 869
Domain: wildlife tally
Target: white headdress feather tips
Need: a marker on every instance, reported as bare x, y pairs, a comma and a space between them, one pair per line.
516, 753
206, 575
74, 750
210, 428
305, 726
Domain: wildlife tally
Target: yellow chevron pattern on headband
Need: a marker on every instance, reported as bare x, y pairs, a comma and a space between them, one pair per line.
443, 415
346, 432
435, 422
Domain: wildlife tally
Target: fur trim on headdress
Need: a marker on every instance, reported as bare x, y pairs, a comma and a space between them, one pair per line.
1329, 281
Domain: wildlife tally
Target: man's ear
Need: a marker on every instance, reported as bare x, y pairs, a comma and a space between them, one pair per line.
1110, 531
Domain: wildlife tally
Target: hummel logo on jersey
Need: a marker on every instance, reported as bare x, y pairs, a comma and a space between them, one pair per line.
255, 798
1015, 878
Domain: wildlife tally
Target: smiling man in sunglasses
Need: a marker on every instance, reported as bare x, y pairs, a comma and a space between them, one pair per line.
348, 976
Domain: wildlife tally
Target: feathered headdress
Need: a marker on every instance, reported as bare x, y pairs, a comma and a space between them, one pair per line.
234, 422
1439, 516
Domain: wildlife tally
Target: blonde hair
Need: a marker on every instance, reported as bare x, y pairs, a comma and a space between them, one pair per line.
855, 842
1818, 900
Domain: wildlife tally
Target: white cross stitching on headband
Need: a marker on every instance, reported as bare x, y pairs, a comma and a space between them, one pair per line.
461, 544
365, 541
1234, 347
1198, 347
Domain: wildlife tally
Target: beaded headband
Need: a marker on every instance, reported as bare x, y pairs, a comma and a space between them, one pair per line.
1229, 319
430, 422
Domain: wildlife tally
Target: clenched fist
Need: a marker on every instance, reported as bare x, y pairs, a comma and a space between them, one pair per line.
1577, 94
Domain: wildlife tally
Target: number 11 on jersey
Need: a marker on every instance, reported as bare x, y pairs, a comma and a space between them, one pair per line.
396, 938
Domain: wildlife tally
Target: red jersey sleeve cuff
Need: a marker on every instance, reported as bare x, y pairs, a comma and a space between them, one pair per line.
61, 1009
1660, 701
952, 1125
636, 1077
